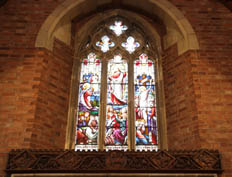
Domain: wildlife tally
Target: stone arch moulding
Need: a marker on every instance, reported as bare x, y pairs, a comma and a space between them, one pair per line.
58, 23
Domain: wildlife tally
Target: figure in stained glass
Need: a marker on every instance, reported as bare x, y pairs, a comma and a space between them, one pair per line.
116, 80
105, 43
152, 125
116, 125
141, 137
143, 102
86, 95
88, 106
130, 45
118, 27
146, 126
92, 129
87, 128
117, 108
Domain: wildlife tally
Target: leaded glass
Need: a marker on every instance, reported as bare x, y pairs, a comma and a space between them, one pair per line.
105, 43
130, 45
88, 105
117, 107
145, 104
118, 27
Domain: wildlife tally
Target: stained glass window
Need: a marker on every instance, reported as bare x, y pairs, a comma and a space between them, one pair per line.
117, 107
87, 126
104, 112
145, 104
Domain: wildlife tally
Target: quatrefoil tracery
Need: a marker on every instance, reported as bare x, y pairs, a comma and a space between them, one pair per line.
115, 35
118, 28
105, 43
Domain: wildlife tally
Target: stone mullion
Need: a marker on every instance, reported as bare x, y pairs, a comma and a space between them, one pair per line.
73, 103
131, 118
160, 99
102, 117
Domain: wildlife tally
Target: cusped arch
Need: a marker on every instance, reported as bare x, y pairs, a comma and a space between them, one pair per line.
179, 30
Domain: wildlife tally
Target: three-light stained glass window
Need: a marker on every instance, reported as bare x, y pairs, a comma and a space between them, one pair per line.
112, 101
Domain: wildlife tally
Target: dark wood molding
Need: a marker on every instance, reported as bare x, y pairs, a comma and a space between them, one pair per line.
69, 161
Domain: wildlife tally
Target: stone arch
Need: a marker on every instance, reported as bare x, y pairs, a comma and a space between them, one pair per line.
58, 23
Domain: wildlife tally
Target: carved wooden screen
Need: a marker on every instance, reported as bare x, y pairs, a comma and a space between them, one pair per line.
117, 98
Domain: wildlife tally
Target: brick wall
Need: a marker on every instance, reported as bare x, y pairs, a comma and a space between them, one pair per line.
28, 110
211, 73
19, 80
53, 98
21, 21
34, 88
213, 88
34, 91
181, 110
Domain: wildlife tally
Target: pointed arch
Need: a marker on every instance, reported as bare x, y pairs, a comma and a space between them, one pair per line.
58, 23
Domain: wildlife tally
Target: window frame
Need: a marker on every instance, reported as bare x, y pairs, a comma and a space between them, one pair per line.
160, 102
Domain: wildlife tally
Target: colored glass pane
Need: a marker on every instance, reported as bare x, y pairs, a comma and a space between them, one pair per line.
105, 43
118, 27
145, 104
130, 45
88, 105
117, 107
